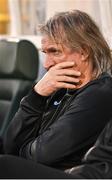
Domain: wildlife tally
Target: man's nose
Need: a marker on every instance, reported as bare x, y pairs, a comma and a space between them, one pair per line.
48, 62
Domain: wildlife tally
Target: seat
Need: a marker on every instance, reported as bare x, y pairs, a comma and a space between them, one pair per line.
19, 62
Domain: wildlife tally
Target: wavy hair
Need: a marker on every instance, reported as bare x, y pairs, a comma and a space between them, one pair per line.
77, 30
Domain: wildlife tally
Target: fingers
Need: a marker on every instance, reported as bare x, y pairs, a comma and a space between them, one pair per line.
68, 79
63, 65
65, 76
61, 75
65, 68
68, 72
66, 85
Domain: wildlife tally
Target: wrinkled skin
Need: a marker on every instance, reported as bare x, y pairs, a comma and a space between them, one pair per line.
65, 68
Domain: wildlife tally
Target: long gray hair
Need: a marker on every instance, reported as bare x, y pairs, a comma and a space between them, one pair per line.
77, 30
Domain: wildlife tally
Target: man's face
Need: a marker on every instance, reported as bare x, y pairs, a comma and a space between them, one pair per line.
56, 53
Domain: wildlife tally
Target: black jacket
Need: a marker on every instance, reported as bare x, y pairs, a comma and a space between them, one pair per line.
58, 130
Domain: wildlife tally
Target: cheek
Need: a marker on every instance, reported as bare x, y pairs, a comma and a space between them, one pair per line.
77, 60
61, 58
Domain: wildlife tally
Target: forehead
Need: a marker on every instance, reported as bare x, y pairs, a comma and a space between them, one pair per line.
47, 41
47, 44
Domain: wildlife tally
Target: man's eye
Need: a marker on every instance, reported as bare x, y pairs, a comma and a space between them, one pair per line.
52, 52
56, 52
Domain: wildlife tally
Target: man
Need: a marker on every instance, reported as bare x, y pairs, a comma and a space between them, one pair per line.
61, 117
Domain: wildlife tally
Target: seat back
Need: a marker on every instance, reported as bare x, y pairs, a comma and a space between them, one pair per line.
18, 70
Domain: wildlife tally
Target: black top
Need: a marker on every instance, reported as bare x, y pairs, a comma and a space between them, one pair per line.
58, 130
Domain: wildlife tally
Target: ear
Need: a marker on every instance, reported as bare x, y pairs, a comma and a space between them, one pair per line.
84, 54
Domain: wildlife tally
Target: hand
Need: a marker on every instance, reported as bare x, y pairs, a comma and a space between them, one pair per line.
59, 76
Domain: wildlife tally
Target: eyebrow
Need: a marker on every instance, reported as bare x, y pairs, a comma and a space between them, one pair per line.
49, 50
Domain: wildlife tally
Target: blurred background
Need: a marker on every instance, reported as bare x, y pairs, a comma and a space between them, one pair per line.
20, 18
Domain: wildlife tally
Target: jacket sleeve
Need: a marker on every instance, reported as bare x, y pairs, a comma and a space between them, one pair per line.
76, 128
25, 124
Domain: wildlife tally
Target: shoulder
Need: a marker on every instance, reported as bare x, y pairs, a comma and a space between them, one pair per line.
103, 84
99, 90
